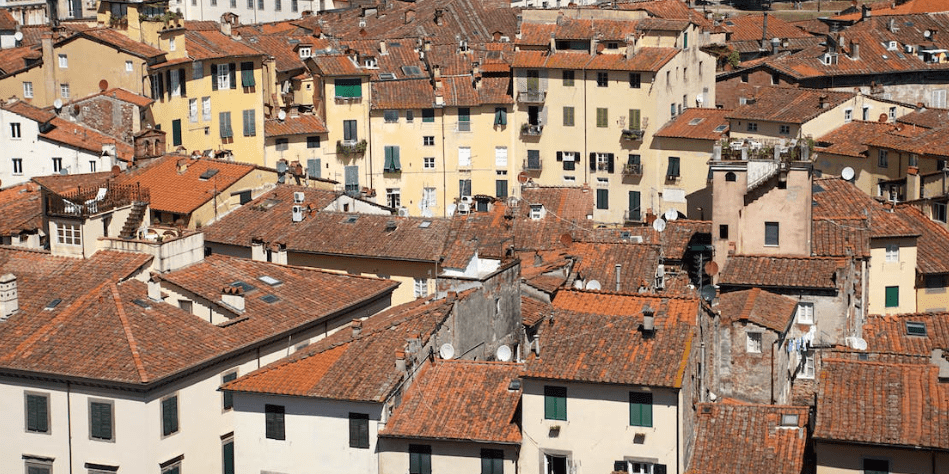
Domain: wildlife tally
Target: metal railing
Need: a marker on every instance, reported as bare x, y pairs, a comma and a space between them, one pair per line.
85, 202
633, 169
531, 96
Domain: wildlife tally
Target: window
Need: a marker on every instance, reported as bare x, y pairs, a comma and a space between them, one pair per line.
410, 116
500, 115
28, 90
428, 140
37, 466
393, 197
771, 233
227, 455
634, 206
92, 166
428, 197
277, 5
17, 166
348, 88
806, 369
464, 156
882, 159
428, 115
223, 76
640, 409
172, 466
464, 119
723, 231
753, 344
428, 163
775, 78
568, 79
672, 172
250, 4
260, 4
464, 187
294, 5
866, 112
805, 313
176, 132
225, 124
282, 144
64, 91
171, 44
533, 160
250, 123
500, 156
892, 113
915, 328
892, 296
892, 253
197, 70
568, 117
602, 79
876, 466
63, 61
672, 110
730, 176
350, 132
500, 188
752, 126
602, 117
228, 396
420, 459
206, 109
785, 130
247, 75
57, 165
570, 159
390, 116
638, 467
685, 40
635, 80
68, 234
274, 416
492, 461
555, 403
37, 412
848, 115
554, 464
602, 198
169, 415
100, 420
313, 168
359, 430
744, 77
15, 130
351, 175
313, 142
233, 4
939, 211
635, 121
193, 110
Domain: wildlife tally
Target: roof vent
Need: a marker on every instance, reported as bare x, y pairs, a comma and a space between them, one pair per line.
9, 301
515, 384
390, 226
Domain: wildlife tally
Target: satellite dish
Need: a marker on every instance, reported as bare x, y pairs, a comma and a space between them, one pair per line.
847, 173
927, 33
64, 171
659, 225
566, 239
671, 214
451, 209
116, 170
18, 36
711, 268
103, 85
522, 177
699, 99
594, 285
446, 351
58, 104
708, 293
858, 343
503, 354
282, 115
427, 212
578, 284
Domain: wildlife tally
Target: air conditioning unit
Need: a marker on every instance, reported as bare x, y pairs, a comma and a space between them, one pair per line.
403, 212
298, 197
297, 213
464, 207
466, 200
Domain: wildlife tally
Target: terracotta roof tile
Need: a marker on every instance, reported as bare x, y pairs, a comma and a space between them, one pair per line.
596, 338
788, 104
459, 400
699, 124
840, 238
120, 41
183, 192
849, 139
892, 9
302, 124
932, 243
14, 60
836, 199
670, 9
7, 22
403, 94
761, 307
598, 261
567, 202
31, 112
127, 96
889, 333
337, 65
203, 45
882, 404
754, 437
927, 118
283, 48
771, 271
646, 59
341, 367
21, 209
533, 310
749, 28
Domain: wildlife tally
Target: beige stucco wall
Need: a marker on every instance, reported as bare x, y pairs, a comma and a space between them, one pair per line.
456, 457
335, 112
932, 299
848, 459
883, 274
396, 270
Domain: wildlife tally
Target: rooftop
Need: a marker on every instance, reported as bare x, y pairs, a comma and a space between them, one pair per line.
789, 104
759, 306
772, 271
698, 124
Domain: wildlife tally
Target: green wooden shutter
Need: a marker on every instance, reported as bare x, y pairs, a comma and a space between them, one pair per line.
214, 77
228, 395
673, 170
602, 198
101, 420
169, 415
387, 165
228, 457
892, 296
37, 413
634, 206
247, 74
609, 162
634, 119
396, 161
232, 71
640, 409
602, 117
176, 132
592, 161
500, 188
313, 168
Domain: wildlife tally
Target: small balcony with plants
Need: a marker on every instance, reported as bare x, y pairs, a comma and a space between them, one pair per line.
531, 96
531, 130
632, 134
632, 170
350, 147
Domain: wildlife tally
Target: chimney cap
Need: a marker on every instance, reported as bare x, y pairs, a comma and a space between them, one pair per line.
7, 278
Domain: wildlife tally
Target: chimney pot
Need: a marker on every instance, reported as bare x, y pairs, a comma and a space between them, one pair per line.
357, 327
154, 288
233, 296
9, 299
400, 361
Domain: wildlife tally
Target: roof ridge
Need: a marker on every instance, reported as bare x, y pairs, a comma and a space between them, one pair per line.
133, 346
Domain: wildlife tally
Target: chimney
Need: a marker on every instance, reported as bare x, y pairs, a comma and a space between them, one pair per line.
436, 71
912, 183
9, 302
775, 45
439, 13
536, 344
154, 288
649, 324
619, 272
390, 226
400, 361
357, 328
855, 49
553, 43
865, 12
822, 100
225, 25
939, 360
764, 28
233, 296
49, 56
383, 48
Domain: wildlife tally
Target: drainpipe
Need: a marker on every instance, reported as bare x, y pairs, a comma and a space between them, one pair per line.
69, 423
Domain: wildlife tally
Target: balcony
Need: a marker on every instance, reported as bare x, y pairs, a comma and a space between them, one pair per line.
633, 134
633, 169
531, 96
350, 147
533, 164
531, 130
85, 202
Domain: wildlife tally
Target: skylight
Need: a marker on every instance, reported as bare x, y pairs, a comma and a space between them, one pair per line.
209, 174
247, 287
142, 303
351, 219
411, 71
789, 420
425, 224
269, 299
386, 76
720, 128
696, 121
53, 304
915, 328
269, 280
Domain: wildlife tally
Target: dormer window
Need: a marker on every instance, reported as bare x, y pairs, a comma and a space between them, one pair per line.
789, 420
914, 328
891, 46
304, 52
537, 211
370, 63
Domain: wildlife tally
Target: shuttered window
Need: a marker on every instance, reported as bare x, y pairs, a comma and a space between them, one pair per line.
500, 188
392, 163
555, 403
420, 459
772, 233
313, 168
602, 117
37, 413
275, 422
359, 430
247, 74
169, 416
500, 115
634, 119
228, 395
100, 420
640, 409
225, 125
348, 88
568, 116
673, 170
227, 456
602, 198
176, 131
464, 187
352, 179
634, 206
250, 123
892, 296
492, 461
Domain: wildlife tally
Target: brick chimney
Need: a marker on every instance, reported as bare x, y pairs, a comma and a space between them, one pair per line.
9, 301
154, 288
233, 296
357, 327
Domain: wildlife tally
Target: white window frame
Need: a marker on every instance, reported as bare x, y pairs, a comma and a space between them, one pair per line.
193, 110
602, 161
129, 66
464, 157
753, 342
63, 61
64, 90
16, 130
420, 287
883, 159
892, 253
17, 166
68, 234
805, 313
206, 109
500, 156
175, 83
429, 197
807, 370
27, 89
848, 115
428, 163
394, 197
304, 52
223, 77
569, 179
172, 44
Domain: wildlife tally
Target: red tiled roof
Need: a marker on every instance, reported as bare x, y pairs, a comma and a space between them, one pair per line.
14, 60
7, 22
64, 183
772, 271
184, 192
303, 124
836, 200
596, 338
932, 242
203, 45
404, 94
21, 209
788, 104
706, 128
77, 136
337, 65
748, 438
749, 28
127, 96
282, 48
31, 112
926, 117
849, 139
882, 404
598, 261
459, 400
341, 367
670, 9
646, 59
114, 39
840, 238
893, 9
533, 310
761, 307
888, 333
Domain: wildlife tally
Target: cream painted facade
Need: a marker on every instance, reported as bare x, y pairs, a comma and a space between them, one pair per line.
339, 113
104, 224
300, 148
833, 458
597, 430
892, 265
250, 11
694, 156
446, 456
659, 97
